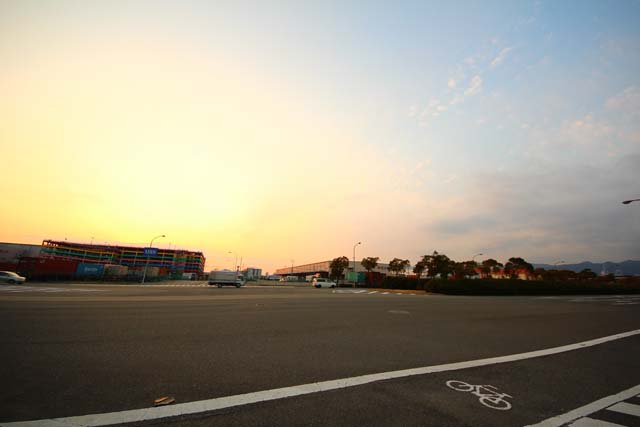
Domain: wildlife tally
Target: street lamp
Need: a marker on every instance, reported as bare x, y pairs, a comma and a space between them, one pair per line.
354, 263
144, 275
235, 268
555, 264
235, 264
473, 258
626, 202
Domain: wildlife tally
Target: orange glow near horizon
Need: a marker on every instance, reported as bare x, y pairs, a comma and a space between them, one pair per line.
216, 158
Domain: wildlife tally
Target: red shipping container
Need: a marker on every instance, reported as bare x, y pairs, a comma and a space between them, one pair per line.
9, 266
47, 268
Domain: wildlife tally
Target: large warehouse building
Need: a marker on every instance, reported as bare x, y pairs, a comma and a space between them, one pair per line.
63, 259
322, 268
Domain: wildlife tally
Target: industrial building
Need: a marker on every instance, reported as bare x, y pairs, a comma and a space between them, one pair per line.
174, 260
252, 273
322, 268
64, 260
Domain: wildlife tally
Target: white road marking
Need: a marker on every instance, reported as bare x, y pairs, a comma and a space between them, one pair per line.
26, 289
588, 409
373, 292
138, 415
610, 299
398, 312
385, 293
488, 395
626, 408
590, 422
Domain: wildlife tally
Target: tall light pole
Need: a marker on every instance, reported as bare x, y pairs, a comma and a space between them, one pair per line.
555, 264
235, 267
144, 275
354, 264
473, 258
235, 264
626, 202
292, 261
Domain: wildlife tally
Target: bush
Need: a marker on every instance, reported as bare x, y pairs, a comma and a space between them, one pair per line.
528, 287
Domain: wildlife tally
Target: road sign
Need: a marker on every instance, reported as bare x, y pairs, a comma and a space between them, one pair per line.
150, 251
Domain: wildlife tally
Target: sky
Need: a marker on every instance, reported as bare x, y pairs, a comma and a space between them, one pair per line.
288, 131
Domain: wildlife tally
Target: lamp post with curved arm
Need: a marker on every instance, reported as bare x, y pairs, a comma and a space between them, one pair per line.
473, 258
144, 275
626, 202
354, 263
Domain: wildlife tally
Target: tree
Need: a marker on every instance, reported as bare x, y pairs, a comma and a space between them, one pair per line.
398, 265
337, 267
516, 266
419, 268
540, 273
370, 263
464, 269
587, 274
490, 266
438, 264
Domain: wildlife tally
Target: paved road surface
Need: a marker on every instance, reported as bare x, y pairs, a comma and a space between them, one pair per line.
69, 350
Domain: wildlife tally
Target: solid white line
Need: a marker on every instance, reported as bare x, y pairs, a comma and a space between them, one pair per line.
373, 292
588, 409
138, 415
626, 408
590, 422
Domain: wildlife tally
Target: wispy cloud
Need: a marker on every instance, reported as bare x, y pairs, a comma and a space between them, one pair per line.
501, 56
627, 100
451, 83
474, 87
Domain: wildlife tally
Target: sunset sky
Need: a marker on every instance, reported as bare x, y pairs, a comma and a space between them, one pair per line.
290, 130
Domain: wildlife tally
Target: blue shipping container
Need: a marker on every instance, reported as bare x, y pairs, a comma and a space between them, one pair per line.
86, 269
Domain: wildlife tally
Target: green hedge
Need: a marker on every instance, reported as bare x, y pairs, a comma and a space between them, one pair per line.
511, 287
400, 282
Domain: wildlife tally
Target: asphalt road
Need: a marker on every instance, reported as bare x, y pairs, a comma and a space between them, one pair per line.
76, 349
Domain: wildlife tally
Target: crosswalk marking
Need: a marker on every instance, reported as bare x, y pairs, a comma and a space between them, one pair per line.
610, 299
364, 291
587, 415
590, 422
626, 408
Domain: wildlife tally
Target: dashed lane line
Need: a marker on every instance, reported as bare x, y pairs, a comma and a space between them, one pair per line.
156, 413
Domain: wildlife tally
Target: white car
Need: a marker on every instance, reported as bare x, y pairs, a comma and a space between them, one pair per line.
11, 277
321, 282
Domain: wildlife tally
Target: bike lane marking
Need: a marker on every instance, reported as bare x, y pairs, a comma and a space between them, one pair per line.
210, 405
583, 411
487, 394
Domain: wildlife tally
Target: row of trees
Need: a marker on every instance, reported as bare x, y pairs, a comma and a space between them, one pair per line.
440, 265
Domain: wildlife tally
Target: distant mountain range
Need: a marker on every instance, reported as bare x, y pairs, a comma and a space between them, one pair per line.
628, 267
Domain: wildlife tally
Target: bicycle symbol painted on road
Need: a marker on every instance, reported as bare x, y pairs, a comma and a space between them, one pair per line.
488, 395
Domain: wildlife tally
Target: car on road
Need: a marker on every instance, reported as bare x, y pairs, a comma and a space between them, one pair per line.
321, 282
11, 277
